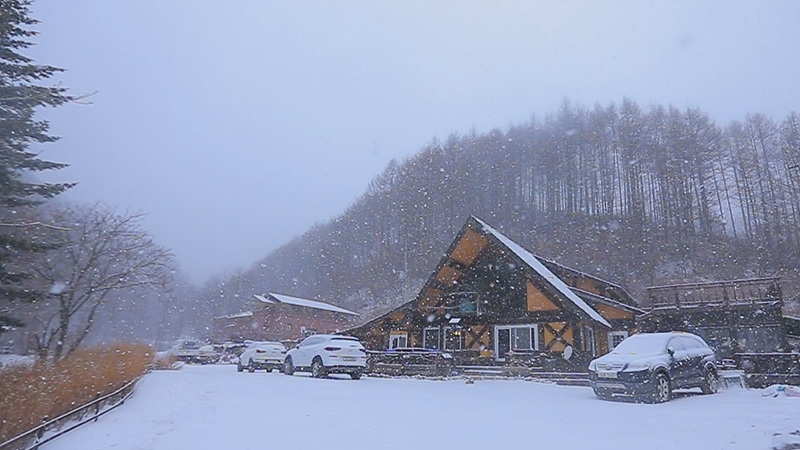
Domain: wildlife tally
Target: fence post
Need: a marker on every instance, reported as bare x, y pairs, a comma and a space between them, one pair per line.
97, 405
39, 434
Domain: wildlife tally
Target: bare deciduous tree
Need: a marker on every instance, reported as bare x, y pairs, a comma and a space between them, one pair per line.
103, 256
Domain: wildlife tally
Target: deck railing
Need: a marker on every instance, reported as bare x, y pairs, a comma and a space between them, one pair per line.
718, 293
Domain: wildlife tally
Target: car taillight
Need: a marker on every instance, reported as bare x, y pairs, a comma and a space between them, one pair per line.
363, 350
332, 349
261, 351
283, 352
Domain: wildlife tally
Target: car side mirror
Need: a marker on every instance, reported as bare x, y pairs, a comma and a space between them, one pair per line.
671, 351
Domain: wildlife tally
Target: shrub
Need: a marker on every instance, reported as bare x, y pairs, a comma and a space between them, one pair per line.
28, 394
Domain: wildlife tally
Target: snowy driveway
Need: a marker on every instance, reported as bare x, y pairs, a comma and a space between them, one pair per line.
214, 407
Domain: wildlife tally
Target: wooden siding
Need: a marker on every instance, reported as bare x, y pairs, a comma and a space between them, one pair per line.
609, 312
478, 337
587, 285
398, 316
468, 248
538, 301
430, 299
447, 275
556, 336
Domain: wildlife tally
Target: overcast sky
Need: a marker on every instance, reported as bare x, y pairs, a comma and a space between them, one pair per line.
236, 125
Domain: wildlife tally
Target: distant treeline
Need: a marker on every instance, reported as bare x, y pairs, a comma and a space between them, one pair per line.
638, 196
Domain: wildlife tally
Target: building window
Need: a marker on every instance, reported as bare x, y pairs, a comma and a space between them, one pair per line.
398, 339
463, 302
589, 343
615, 337
453, 338
515, 338
430, 338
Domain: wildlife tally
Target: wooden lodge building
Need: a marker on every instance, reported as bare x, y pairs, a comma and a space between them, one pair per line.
278, 317
489, 299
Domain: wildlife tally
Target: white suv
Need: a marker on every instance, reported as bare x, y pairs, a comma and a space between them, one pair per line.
322, 354
262, 355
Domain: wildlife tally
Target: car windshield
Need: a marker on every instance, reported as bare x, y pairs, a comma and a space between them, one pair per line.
643, 344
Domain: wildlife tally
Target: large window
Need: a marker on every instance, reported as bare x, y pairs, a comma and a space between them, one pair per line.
515, 338
398, 339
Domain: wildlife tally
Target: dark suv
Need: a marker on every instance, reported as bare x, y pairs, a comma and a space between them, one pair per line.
651, 365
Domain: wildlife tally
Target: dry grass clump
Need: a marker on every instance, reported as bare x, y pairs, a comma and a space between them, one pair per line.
28, 394
165, 361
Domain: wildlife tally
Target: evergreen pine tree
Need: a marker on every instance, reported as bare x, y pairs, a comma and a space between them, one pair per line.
21, 95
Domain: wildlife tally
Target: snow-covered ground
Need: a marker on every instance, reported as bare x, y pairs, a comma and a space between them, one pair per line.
16, 360
214, 407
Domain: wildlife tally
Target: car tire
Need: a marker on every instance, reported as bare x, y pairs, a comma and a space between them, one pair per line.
317, 368
662, 391
601, 394
250, 367
288, 367
356, 375
239, 367
710, 382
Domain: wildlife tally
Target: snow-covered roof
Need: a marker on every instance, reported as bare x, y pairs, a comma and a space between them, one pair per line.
618, 287
263, 299
280, 298
237, 315
591, 296
540, 268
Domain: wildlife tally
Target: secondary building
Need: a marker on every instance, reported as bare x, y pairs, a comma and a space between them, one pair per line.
278, 317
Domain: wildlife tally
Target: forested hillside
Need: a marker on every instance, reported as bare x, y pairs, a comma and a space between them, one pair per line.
639, 196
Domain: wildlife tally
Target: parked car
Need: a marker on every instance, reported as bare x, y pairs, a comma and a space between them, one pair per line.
262, 355
193, 351
229, 352
322, 354
652, 365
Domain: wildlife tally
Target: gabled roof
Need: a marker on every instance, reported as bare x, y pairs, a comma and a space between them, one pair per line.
625, 296
533, 263
238, 315
272, 298
592, 297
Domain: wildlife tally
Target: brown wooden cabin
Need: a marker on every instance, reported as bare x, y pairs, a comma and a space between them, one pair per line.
279, 317
737, 316
489, 299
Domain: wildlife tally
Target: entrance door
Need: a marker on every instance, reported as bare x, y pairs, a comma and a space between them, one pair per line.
503, 342
430, 338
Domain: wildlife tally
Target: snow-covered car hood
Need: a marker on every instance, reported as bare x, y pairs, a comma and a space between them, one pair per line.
619, 361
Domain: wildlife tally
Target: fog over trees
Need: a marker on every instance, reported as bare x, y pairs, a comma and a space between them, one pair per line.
641, 196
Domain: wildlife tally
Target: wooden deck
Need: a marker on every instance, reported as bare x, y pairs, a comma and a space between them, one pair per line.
714, 294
